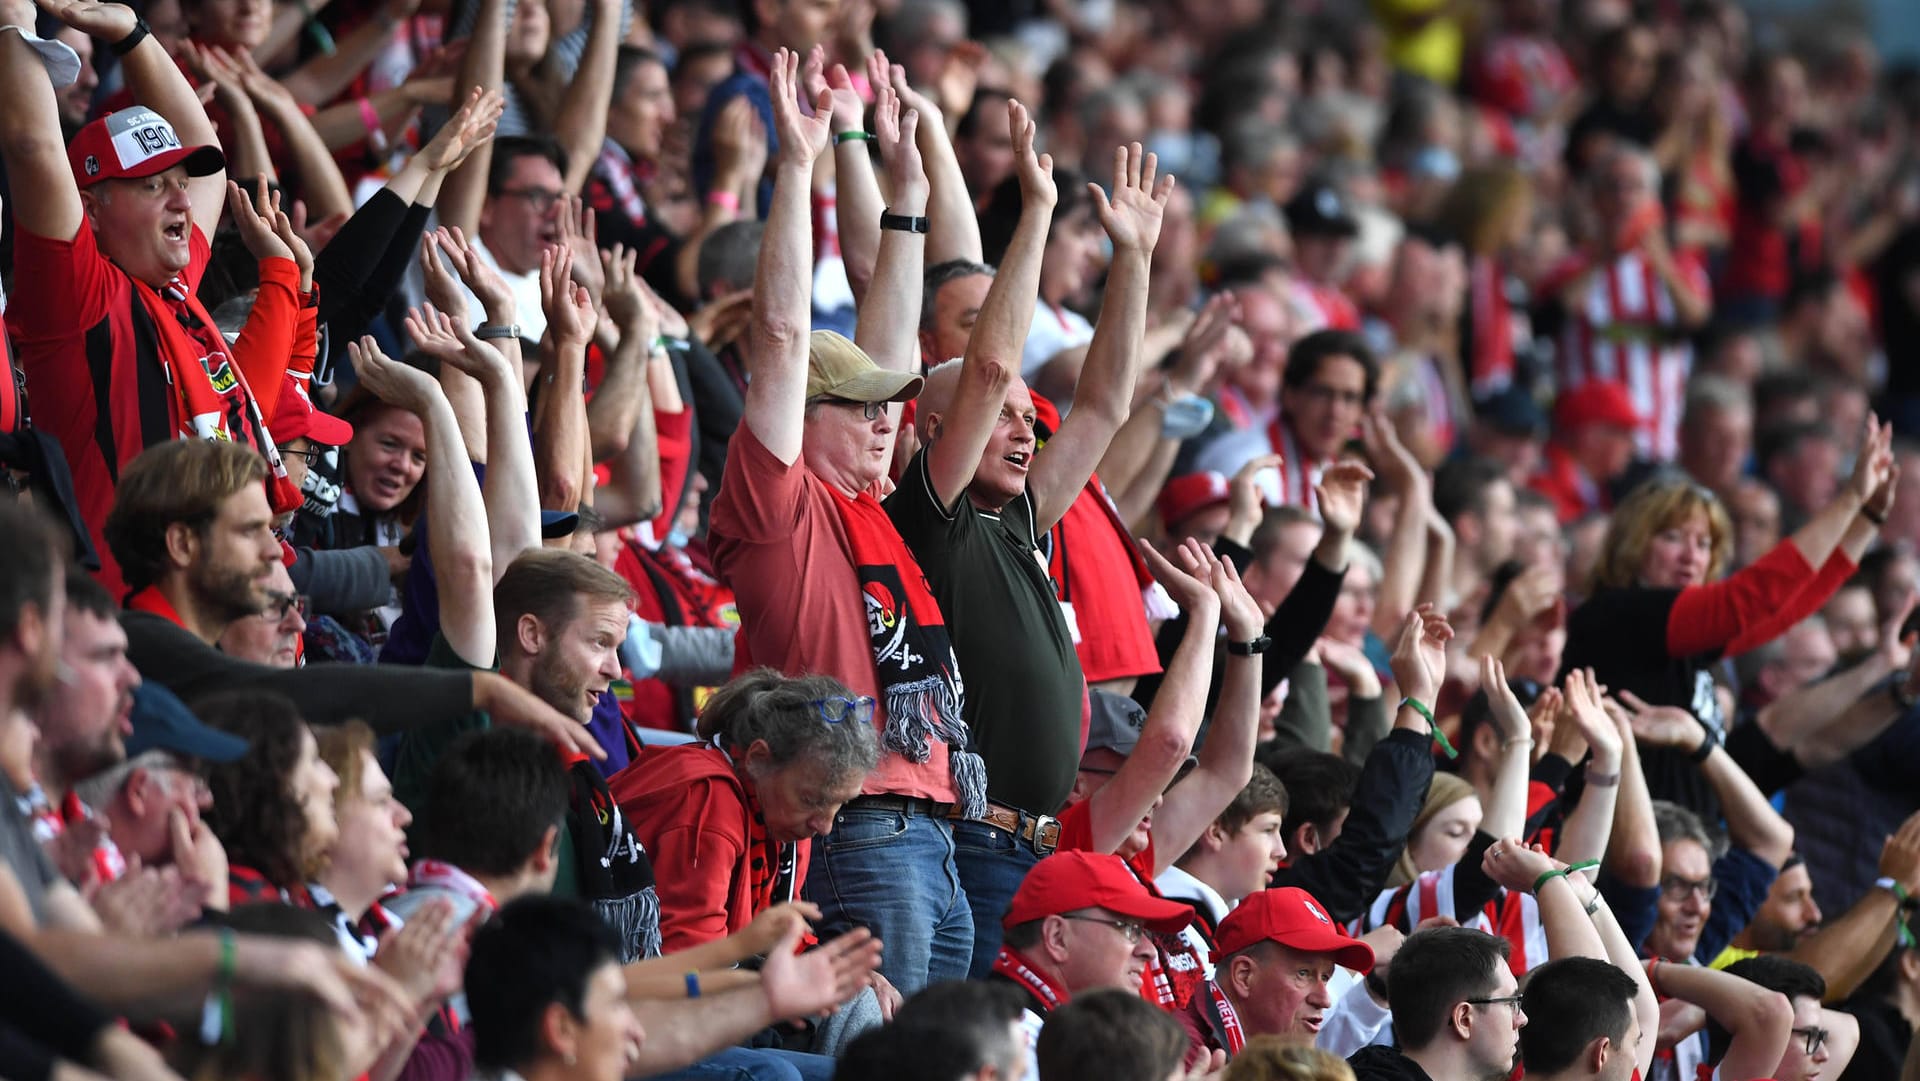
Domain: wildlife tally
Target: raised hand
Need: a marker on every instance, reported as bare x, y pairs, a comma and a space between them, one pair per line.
254, 219
1419, 659
739, 146
1516, 865
1874, 465
1207, 343
580, 232
484, 282
721, 322
1351, 664
1245, 503
1584, 703
1238, 610
1341, 495
1398, 469
465, 131
425, 955
802, 137
1133, 214
393, 382
1533, 594
818, 981
443, 291
1662, 726
317, 234
297, 244
438, 335
1505, 707
627, 303
1188, 582
894, 129
198, 854
1037, 189
570, 311
1900, 856
108, 22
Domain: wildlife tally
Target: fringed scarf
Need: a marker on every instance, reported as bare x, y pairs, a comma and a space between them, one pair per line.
919, 677
613, 870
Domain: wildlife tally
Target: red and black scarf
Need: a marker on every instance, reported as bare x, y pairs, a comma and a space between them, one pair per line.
912, 656
1044, 993
1224, 1021
770, 863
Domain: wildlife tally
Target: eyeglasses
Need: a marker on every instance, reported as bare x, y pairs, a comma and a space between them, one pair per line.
839, 710
279, 604
869, 410
1815, 1037
309, 455
1504, 1000
540, 199
1134, 932
1677, 889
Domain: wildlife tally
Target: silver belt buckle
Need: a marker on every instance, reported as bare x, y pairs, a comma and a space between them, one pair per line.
1040, 822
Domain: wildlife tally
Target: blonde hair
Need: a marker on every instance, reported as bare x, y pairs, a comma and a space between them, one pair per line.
1275, 1058
340, 747
1481, 207
1658, 504
1446, 790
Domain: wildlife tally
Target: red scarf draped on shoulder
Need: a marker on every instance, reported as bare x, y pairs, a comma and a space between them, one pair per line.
912, 655
1047, 995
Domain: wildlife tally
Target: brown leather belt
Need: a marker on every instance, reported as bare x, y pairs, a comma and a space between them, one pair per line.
1040, 832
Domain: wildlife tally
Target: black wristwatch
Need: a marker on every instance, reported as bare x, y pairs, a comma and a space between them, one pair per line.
1250, 649
904, 223
133, 39
1708, 741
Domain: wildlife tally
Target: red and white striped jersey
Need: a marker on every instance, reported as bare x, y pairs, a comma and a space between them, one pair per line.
1523, 75
1622, 327
1513, 916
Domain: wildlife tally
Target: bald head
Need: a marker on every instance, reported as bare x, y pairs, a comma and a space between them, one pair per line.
942, 383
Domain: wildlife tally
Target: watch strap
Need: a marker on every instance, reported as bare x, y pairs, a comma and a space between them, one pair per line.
1249, 649
491, 332
905, 223
133, 39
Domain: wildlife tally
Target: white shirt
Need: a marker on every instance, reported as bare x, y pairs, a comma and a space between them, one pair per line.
526, 295
1177, 885
1054, 331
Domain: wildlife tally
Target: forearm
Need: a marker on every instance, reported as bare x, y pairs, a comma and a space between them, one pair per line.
469, 404
1633, 846
857, 205
1584, 835
1403, 563
686, 266
321, 184
1135, 501
777, 343
1135, 448
560, 444
1847, 950
42, 195
144, 977
1436, 576
950, 215
581, 125
1506, 811
320, 80
345, 125
456, 532
635, 490
512, 491
1752, 823
246, 150
1827, 529
1165, 740
621, 397
483, 66
1306, 717
1563, 916
1114, 355
889, 318
683, 1032
1691, 306
1620, 951
1759, 1019
1802, 713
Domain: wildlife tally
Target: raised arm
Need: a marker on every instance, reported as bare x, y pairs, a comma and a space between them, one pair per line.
1845, 951
1226, 759
783, 280
1104, 395
41, 191
1174, 720
581, 125
321, 183
1404, 560
1633, 847
1528, 869
1752, 823
456, 518
856, 193
511, 491
1759, 1019
483, 66
889, 324
1506, 811
1584, 835
246, 149
560, 421
956, 228
993, 350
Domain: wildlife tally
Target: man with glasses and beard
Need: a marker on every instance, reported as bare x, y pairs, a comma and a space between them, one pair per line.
1456, 1011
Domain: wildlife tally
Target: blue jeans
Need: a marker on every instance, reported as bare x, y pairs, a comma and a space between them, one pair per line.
754, 1064
892, 872
992, 863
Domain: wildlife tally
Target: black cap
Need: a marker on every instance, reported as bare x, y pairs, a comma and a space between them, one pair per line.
161, 722
1514, 412
1320, 210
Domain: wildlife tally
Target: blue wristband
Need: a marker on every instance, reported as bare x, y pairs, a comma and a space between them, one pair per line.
693, 985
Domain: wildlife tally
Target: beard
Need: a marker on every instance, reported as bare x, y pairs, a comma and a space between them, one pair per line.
553, 684
79, 761
229, 591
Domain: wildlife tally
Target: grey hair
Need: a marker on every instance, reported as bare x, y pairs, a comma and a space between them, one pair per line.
1643, 158
1676, 823
100, 789
913, 22
728, 257
938, 275
1716, 393
788, 716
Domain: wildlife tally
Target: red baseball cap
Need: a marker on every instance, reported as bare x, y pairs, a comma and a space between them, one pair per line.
135, 142
1070, 881
1192, 493
1290, 916
1596, 401
295, 417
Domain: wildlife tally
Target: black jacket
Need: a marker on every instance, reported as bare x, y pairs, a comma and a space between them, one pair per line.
1379, 1063
1347, 875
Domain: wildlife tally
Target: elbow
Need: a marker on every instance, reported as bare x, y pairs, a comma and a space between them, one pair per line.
1767, 1012
560, 493
1640, 868
1161, 744
778, 332
468, 568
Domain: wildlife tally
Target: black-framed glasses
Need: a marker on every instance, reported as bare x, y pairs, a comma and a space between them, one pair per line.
1134, 932
279, 604
310, 455
1815, 1037
540, 199
869, 410
840, 709
1502, 1000
1674, 888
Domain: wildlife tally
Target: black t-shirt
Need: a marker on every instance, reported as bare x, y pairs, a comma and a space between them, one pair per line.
1023, 679
1884, 1036
1897, 285
1622, 635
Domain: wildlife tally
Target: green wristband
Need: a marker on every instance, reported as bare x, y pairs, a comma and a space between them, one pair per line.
1558, 872
1433, 726
853, 137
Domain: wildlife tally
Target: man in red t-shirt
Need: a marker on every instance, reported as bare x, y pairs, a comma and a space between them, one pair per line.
111, 244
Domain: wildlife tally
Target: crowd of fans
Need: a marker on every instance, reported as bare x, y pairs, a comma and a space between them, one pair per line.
930, 539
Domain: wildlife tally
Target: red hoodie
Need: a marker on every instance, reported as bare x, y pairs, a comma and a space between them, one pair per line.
690, 811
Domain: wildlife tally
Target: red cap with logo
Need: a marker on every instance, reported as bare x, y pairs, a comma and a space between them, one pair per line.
1596, 401
296, 417
135, 142
1070, 881
1290, 916
1192, 493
